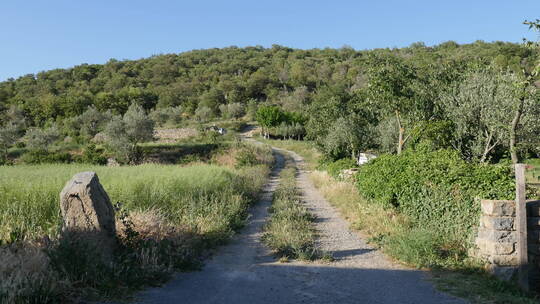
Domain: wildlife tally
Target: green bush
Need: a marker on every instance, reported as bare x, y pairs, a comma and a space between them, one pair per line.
334, 168
93, 155
439, 134
41, 156
246, 158
438, 192
435, 186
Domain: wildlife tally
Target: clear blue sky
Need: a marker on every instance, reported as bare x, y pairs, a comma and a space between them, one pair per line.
39, 35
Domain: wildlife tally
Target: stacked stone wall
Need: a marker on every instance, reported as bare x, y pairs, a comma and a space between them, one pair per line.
496, 241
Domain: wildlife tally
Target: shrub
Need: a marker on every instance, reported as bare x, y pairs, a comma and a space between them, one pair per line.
42, 156
435, 186
203, 113
438, 133
88, 124
245, 158
41, 139
92, 155
334, 168
233, 110
162, 116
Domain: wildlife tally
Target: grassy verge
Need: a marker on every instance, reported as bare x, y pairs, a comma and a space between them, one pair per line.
169, 217
533, 174
289, 231
415, 246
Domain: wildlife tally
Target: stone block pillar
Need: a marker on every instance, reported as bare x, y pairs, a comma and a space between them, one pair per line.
496, 241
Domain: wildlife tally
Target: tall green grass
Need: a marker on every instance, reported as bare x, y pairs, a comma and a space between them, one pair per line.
29, 195
170, 216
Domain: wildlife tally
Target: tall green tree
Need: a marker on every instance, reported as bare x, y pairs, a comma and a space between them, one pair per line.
125, 133
269, 116
390, 87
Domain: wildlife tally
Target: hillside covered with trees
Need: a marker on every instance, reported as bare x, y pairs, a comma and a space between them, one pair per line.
456, 96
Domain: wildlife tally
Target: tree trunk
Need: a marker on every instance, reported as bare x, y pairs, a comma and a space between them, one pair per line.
488, 147
401, 133
513, 129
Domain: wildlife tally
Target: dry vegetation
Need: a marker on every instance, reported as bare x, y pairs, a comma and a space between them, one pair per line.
290, 231
167, 220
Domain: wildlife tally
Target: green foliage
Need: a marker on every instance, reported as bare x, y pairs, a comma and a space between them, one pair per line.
203, 113
92, 155
289, 231
8, 136
435, 187
346, 137
245, 158
334, 168
232, 110
123, 134
12, 127
289, 131
482, 109
285, 76
269, 116
439, 134
42, 156
41, 139
89, 123
168, 115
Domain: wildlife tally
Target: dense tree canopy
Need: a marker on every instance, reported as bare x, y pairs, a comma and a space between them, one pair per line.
384, 94
210, 78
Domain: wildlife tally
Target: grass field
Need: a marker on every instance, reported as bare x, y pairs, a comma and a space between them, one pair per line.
29, 195
175, 213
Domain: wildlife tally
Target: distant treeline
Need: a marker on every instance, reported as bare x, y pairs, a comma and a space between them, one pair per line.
336, 89
286, 76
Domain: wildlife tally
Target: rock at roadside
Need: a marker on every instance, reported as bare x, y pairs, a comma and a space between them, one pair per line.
87, 212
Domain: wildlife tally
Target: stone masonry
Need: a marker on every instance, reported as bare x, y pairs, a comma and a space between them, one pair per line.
497, 237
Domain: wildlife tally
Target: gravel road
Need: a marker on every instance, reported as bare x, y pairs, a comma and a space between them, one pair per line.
245, 271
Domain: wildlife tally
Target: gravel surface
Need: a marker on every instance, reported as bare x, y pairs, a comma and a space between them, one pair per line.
246, 272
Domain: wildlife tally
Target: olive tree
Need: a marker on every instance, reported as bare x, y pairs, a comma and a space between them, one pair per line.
232, 110
12, 127
346, 137
41, 139
125, 133
488, 110
92, 121
161, 116
203, 113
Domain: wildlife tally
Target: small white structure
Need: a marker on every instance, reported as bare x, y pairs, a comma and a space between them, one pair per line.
221, 131
364, 158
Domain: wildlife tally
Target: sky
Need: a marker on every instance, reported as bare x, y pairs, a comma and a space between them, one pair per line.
37, 35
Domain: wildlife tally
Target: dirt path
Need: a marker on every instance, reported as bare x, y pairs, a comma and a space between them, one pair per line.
245, 272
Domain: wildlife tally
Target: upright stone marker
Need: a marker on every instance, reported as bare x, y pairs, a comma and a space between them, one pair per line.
87, 212
521, 226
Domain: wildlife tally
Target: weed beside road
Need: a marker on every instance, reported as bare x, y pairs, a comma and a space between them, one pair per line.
290, 231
